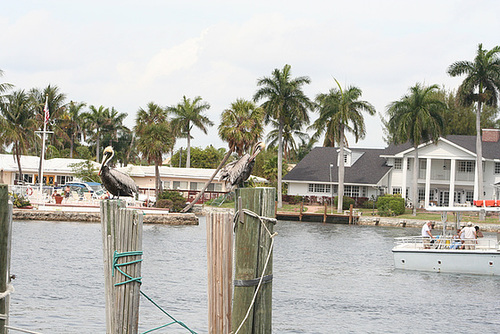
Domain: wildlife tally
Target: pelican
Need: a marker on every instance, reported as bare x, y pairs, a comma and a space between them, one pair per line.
117, 183
237, 172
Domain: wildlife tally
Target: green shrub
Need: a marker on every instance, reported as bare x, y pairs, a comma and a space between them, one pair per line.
171, 199
346, 203
391, 205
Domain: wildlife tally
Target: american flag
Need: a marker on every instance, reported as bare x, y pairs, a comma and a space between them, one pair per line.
46, 110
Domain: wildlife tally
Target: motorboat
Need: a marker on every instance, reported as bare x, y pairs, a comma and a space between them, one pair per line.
446, 254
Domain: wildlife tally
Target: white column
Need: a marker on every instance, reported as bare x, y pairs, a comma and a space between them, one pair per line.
427, 181
452, 182
403, 184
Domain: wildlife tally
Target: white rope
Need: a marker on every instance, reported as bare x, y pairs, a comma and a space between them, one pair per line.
253, 214
10, 289
21, 330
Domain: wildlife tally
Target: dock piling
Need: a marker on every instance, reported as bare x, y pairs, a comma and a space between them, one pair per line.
252, 252
122, 255
5, 243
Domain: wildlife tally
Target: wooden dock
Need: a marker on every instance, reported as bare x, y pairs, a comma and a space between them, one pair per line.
349, 217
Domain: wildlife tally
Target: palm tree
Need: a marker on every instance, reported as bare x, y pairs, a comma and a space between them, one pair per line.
241, 127
154, 137
74, 123
340, 112
188, 114
284, 97
113, 125
94, 121
4, 86
18, 125
481, 85
416, 118
290, 131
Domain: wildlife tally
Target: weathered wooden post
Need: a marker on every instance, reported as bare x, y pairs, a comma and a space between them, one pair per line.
122, 253
5, 242
220, 271
253, 253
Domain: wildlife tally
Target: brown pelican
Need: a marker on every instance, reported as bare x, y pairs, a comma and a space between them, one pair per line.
117, 183
237, 172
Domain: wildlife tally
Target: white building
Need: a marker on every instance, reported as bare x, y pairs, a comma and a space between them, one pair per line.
446, 175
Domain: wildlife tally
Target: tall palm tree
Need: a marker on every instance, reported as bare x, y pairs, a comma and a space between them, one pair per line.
154, 137
74, 123
340, 111
188, 114
416, 118
290, 131
481, 85
18, 125
94, 121
241, 127
113, 125
283, 97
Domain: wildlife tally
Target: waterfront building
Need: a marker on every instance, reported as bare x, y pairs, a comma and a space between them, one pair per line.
446, 171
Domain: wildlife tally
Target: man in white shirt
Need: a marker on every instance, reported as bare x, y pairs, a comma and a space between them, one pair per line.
426, 234
469, 235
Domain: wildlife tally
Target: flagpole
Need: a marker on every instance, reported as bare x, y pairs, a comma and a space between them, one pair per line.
45, 120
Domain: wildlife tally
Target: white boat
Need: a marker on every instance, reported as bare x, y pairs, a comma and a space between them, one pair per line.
444, 255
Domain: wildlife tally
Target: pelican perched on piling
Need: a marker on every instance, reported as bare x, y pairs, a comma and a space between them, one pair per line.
237, 172
117, 183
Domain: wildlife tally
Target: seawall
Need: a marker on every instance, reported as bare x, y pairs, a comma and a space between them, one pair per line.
169, 218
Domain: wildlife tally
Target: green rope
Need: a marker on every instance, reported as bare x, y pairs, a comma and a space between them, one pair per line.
117, 266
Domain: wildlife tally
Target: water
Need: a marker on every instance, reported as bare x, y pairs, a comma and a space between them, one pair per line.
327, 279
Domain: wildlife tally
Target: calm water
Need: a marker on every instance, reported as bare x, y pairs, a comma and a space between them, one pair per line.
327, 279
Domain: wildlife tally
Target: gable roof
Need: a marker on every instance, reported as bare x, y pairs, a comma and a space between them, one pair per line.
491, 150
315, 167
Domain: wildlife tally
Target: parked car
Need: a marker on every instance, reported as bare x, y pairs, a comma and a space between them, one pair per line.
95, 188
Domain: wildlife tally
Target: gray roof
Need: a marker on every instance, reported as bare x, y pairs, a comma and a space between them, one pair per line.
315, 167
491, 150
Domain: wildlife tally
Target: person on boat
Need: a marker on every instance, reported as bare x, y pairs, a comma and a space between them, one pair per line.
427, 235
456, 242
469, 235
479, 234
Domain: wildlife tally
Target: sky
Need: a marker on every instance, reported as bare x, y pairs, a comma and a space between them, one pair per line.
125, 54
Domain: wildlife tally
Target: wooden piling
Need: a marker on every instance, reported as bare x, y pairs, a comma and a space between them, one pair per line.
252, 246
220, 271
5, 243
121, 235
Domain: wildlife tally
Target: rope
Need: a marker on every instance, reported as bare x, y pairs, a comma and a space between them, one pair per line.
271, 235
10, 289
130, 279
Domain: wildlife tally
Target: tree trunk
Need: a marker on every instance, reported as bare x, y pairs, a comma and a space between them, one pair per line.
97, 149
188, 154
202, 191
479, 153
280, 164
71, 145
18, 157
414, 190
340, 192
157, 180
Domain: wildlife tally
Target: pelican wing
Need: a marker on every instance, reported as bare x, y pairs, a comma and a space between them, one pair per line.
233, 171
121, 182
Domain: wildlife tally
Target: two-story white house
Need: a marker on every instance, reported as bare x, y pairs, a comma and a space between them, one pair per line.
446, 175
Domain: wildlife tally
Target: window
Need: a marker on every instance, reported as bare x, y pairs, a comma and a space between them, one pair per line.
182, 185
396, 190
421, 194
63, 179
196, 185
398, 163
319, 188
469, 196
497, 167
466, 166
423, 164
214, 187
351, 191
28, 178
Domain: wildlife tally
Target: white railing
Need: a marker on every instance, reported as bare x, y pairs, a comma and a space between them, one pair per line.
445, 242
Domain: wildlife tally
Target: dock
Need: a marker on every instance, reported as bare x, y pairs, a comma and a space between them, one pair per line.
348, 217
